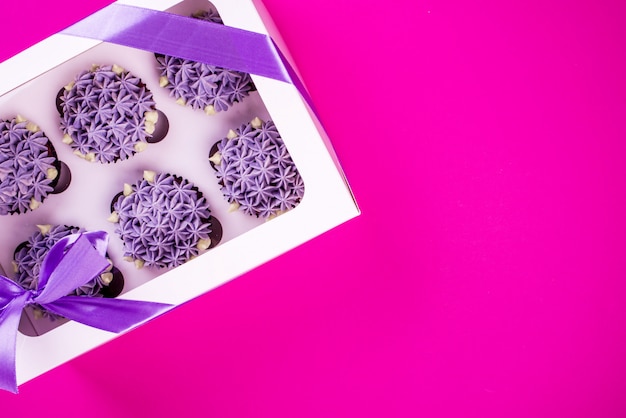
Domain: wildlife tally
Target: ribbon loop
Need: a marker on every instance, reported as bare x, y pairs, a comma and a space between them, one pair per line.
9, 290
69, 273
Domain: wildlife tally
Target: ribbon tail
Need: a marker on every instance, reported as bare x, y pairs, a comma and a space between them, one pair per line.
114, 315
9, 322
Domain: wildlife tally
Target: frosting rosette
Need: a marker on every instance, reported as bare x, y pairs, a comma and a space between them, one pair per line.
107, 114
163, 220
202, 86
256, 172
27, 166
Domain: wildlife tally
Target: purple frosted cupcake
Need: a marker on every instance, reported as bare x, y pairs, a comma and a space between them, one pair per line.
201, 86
163, 221
29, 256
108, 114
256, 172
29, 169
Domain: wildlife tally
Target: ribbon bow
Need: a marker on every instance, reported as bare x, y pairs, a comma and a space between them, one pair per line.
69, 264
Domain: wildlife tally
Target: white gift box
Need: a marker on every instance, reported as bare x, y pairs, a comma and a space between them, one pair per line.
29, 83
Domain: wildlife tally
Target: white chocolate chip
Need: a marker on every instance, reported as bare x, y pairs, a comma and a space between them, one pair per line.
149, 176
233, 207
231, 134
44, 229
148, 127
69, 86
20, 119
163, 81
139, 264
204, 244
32, 127
52, 173
94, 67
117, 69
106, 278
80, 154
181, 101
67, 139
151, 116
14, 264
109, 267
129, 259
216, 158
91, 157
256, 123
114, 218
34, 204
209, 110
128, 189
140, 146
37, 313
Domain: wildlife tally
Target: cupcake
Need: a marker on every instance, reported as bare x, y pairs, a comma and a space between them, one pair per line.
108, 114
163, 221
29, 168
29, 255
202, 86
256, 172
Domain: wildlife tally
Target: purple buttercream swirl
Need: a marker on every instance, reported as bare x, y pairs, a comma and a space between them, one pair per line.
162, 221
202, 86
30, 256
25, 158
104, 113
257, 172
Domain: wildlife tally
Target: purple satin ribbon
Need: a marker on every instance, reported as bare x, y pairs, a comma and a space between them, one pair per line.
70, 264
184, 37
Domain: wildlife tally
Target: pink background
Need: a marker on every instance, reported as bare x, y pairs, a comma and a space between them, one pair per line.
486, 144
